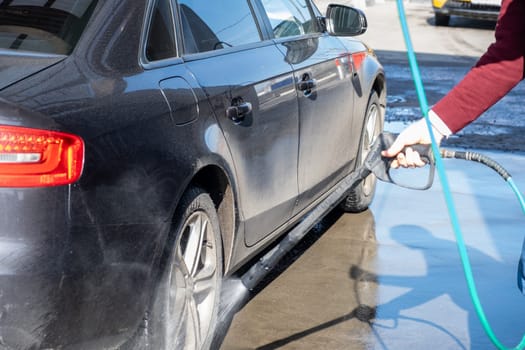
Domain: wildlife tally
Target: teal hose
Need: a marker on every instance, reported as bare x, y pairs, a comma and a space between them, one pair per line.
446, 188
517, 193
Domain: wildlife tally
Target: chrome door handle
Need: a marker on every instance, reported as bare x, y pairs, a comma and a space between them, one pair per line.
238, 112
306, 85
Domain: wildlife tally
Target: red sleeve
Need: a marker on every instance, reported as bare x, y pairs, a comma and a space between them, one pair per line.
494, 75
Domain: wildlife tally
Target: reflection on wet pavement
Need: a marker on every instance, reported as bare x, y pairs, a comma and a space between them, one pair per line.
315, 303
390, 278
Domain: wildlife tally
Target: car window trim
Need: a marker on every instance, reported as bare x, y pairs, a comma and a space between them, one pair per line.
299, 37
226, 51
33, 54
161, 63
261, 19
315, 9
315, 17
146, 25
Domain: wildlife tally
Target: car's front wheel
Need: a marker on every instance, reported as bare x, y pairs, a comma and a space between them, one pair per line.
361, 195
185, 309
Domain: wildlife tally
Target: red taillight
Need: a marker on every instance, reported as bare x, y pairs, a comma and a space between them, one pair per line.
35, 157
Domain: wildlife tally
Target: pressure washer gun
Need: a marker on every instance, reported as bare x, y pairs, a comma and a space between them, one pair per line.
380, 166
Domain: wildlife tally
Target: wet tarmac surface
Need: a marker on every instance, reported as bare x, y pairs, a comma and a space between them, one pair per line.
391, 277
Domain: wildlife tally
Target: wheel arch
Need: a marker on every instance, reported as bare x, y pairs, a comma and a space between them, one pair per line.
216, 182
379, 86
374, 79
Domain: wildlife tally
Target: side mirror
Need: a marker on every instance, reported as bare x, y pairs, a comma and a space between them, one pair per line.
345, 21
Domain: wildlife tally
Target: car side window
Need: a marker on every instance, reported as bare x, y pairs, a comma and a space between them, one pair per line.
290, 17
161, 35
217, 24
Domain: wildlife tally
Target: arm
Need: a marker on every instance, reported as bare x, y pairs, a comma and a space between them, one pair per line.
496, 72
494, 75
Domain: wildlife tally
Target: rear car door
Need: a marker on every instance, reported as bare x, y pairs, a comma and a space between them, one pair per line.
251, 89
322, 71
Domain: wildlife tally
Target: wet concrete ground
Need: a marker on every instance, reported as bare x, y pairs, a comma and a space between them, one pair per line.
390, 278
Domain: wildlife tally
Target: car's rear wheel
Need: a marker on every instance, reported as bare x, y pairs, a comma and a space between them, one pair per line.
441, 19
184, 313
361, 195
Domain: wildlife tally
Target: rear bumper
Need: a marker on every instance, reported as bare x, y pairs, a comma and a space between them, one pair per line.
53, 311
32, 242
60, 286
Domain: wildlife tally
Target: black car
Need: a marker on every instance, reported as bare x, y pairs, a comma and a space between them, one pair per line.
151, 148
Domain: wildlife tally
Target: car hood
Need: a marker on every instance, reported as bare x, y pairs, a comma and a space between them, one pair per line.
15, 66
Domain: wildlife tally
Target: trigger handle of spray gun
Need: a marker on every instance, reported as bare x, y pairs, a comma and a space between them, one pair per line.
425, 151
380, 166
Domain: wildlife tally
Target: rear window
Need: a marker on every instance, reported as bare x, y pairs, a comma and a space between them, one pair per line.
43, 25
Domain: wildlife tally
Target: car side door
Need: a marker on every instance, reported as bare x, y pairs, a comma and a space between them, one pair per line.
251, 90
322, 71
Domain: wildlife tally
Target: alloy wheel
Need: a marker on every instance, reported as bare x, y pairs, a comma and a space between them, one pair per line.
193, 284
372, 130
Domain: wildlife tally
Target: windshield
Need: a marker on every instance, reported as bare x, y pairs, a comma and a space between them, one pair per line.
43, 25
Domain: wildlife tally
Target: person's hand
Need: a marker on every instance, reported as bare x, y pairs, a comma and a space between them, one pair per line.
416, 133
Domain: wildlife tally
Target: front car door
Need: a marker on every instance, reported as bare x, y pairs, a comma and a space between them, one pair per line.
322, 71
253, 96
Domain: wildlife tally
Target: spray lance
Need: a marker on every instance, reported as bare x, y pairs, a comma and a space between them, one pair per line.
373, 163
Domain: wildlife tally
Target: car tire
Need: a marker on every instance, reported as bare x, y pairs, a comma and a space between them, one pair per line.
361, 196
441, 19
185, 308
